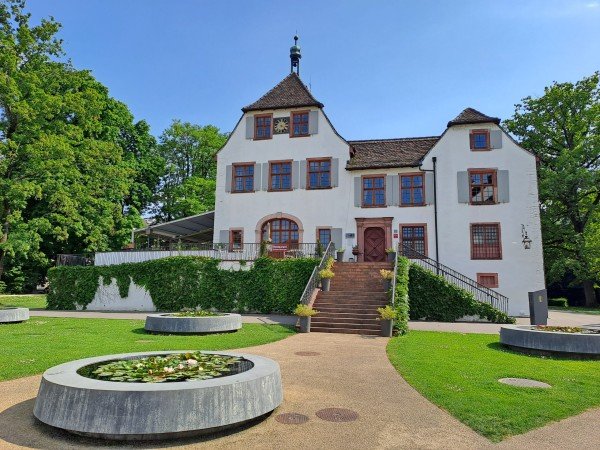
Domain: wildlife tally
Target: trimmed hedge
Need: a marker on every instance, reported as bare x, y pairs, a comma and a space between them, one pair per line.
401, 302
189, 282
433, 298
559, 302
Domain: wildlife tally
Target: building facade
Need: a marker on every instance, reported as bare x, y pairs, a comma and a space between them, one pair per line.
467, 198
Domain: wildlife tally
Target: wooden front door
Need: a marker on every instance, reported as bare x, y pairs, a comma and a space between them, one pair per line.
374, 244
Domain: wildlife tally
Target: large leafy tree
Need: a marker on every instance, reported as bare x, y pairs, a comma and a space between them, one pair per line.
562, 128
189, 151
70, 169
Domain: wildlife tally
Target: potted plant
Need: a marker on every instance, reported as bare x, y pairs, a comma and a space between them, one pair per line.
387, 276
326, 275
340, 254
391, 254
305, 312
355, 250
387, 315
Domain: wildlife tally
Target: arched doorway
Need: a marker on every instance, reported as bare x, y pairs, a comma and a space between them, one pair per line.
374, 244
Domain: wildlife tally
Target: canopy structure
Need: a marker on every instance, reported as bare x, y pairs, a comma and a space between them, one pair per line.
197, 229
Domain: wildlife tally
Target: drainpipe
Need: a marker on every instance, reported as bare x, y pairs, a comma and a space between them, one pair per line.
435, 208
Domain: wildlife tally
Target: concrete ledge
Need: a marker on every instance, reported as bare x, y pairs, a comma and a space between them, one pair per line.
140, 411
12, 315
524, 338
168, 323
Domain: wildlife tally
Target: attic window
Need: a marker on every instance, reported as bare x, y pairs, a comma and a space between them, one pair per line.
480, 140
262, 126
299, 124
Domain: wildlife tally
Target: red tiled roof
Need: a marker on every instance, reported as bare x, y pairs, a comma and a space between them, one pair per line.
470, 115
289, 93
386, 153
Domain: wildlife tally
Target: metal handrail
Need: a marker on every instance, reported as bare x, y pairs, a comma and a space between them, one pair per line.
394, 280
313, 281
481, 293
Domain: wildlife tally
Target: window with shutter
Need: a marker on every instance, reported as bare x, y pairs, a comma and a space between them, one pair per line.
299, 126
319, 173
243, 177
412, 190
373, 191
480, 140
263, 126
483, 186
280, 176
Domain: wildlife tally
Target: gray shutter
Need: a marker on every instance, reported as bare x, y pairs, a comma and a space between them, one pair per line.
257, 178
335, 175
336, 237
396, 190
265, 176
502, 179
224, 237
250, 127
429, 188
228, 174
303, 174
313, 122
296, 174
357, 191
389, 190
496, 139
462, 179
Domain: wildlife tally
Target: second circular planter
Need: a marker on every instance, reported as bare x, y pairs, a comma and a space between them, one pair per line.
170, 323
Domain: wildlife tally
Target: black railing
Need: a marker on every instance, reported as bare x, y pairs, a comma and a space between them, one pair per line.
481, 293
313, 281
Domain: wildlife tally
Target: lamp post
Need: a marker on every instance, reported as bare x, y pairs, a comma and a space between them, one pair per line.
526, 241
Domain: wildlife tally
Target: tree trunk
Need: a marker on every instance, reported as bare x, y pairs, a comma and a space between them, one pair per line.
590, 294
2, 254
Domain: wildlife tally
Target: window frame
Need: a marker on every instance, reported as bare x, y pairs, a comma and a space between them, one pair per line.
233, 177
328, 229
472, 134
262, 116
308, 172
280, 231
494, 185
494, 275
411, 175
471, 238
297, 113
414, 225
362, 191
283, 161
231, 241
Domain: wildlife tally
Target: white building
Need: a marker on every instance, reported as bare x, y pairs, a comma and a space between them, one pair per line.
467, 198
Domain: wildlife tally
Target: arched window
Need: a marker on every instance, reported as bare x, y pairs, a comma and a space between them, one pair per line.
280, 231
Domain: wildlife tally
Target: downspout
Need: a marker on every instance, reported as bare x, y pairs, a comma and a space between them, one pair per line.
435, 208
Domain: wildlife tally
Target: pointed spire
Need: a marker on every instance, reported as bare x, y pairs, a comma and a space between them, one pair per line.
295, 56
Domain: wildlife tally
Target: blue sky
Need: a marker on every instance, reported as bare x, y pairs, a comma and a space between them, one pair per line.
382, 68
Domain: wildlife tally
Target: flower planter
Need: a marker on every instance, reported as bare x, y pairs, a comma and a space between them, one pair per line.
305, 324
387, 284
391, 257
339, 257
141, 411
387, 326
14, 315
325, 284
169, 323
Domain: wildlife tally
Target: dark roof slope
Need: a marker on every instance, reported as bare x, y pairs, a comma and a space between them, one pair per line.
470, 115
385, 153
289, 93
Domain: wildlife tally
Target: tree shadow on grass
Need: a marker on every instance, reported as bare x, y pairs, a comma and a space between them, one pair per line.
18, 426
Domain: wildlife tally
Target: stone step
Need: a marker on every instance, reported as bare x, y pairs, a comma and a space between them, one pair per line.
349, 315
342, 309
356, 323
346, 330
349, 305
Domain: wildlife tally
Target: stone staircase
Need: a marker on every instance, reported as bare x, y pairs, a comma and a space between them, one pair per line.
351, 305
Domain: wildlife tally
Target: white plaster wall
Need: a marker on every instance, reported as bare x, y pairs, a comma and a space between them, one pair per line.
107, 298
519, 270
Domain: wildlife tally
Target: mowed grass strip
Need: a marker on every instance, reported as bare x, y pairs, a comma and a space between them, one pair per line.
33, 301
459, 373
31, 347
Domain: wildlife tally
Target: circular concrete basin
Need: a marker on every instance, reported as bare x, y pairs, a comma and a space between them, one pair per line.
141, 411
12, 315
532, 340
169, 323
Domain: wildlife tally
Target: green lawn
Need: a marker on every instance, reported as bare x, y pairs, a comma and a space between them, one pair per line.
576, 309
34, 301
31, 347
459, 373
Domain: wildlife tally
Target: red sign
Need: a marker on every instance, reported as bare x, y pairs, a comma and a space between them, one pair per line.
279, 247
395, 235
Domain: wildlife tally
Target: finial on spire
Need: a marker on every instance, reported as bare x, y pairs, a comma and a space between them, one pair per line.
295, 56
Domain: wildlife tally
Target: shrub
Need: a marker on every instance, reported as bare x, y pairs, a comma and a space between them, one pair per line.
560, 302
386, 274
189, 282
387, 313
305, 311
433, 298
401, 302
326, 273
2, 287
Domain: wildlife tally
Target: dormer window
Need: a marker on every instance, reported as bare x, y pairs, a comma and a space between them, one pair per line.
299, 124
480, 140
262, 126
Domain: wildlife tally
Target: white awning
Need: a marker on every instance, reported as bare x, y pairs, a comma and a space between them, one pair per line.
198, 228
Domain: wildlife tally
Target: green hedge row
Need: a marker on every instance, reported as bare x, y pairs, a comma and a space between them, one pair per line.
401, 302
269, 286
560, 302
433, 298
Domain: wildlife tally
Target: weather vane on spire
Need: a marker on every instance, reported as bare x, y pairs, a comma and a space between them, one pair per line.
295, 56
